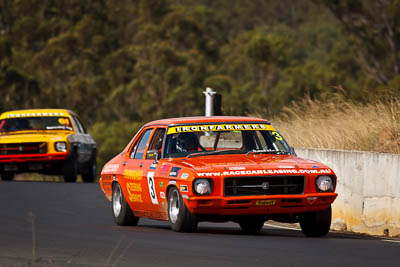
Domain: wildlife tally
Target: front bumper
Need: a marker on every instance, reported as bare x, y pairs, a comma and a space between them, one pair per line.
50, 162
33, 157
251, 205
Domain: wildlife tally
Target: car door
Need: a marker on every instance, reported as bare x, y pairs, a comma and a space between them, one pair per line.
149, 166
134, 186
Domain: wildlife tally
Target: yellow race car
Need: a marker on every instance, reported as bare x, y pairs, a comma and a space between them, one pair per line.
47, 141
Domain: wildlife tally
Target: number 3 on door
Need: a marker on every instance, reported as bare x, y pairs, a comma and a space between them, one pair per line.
152, 188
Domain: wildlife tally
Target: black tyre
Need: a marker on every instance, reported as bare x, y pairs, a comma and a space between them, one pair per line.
179, 216
251, 225
121, 211
8, 176
89, 173
71, 169
315, 224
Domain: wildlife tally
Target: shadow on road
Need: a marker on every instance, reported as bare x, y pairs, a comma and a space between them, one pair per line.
232, 229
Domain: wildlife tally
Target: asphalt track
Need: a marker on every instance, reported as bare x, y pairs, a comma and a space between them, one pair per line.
59, 224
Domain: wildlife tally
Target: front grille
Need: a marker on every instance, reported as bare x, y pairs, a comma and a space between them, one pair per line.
23, 148
263, 185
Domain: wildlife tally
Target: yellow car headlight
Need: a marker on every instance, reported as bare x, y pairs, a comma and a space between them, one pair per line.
60, 146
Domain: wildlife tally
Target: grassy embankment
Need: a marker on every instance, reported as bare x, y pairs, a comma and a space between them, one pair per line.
343, 125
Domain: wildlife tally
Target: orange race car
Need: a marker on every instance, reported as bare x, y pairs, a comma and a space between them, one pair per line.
219, 169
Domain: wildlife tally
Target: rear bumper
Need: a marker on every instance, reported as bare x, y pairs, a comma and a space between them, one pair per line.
277, 204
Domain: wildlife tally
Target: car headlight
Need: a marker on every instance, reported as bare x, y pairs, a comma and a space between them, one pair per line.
202, 186
60, 146
324, 183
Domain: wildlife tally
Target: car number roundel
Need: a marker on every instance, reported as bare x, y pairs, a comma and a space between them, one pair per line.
152, 188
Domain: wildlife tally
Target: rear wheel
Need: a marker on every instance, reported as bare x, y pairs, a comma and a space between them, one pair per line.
121, 211
8, 176
315, 224
179, 216
251, 225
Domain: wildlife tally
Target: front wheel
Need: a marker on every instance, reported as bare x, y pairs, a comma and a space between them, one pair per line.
315, 224
178, 214
89, 174
121, 211
71, 169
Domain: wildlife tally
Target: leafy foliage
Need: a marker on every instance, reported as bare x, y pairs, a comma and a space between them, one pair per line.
122, 63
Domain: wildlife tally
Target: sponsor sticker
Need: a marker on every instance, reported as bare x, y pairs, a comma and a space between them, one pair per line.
133, 174
33, 114
286, 166
237, 168
220, 127
153, 166
136, 198
111, 168
161, 184
264, 172
184, 188
184, 176
162, 195
133, 189
174, 172
268, 202
164, 169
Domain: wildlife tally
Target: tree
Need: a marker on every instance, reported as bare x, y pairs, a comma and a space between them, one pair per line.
375, 23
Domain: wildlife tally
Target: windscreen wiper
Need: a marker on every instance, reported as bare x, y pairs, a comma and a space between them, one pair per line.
267, 151
207, 153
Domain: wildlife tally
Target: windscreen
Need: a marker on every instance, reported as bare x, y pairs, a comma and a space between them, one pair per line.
194, 140
35, 123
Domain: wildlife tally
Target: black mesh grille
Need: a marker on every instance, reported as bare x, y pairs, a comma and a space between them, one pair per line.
23, 148
264, 185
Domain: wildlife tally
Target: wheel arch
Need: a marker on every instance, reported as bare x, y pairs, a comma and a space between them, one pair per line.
113, 183
73, 151
169, 187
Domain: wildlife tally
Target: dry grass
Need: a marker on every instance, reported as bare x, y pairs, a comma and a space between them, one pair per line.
343, 125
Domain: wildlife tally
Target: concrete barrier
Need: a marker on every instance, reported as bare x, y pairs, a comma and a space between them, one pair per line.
368, 188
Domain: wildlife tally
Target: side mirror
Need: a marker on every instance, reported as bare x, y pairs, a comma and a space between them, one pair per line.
153, 154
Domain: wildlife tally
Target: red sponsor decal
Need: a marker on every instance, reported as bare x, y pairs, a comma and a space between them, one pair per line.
165, 167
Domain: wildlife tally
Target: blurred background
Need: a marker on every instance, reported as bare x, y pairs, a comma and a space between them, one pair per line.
326, 73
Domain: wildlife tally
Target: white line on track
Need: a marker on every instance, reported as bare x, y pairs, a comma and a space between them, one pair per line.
281, 227
393, 241
296, 229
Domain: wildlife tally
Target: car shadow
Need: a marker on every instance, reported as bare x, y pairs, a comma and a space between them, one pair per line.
233, 229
